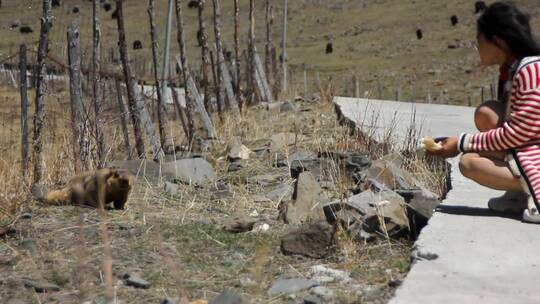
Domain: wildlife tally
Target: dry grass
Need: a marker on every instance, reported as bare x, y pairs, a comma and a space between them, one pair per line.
174, 241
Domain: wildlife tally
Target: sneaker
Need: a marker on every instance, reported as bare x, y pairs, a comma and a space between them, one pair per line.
509, 202
531, 214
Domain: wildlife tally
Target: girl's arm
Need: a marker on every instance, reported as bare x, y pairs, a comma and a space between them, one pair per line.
524, 122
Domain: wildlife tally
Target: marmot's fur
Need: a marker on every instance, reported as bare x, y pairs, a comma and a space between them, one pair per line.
87, 187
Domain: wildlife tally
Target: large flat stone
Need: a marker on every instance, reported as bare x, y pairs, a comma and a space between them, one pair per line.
144, 169
287, 286
189, 171
482, 257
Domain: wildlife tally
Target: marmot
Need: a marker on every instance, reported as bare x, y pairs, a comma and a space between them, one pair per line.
86, 188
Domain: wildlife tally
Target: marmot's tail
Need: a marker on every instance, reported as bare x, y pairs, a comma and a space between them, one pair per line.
56, 197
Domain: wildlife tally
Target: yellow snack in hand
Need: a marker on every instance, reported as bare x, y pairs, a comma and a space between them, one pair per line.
429, 144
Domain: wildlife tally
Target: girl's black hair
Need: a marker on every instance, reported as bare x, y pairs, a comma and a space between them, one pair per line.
506, 21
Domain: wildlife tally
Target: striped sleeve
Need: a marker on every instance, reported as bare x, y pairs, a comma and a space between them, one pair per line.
523, 123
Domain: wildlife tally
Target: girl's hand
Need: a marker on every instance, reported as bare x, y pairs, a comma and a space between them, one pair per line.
449, 148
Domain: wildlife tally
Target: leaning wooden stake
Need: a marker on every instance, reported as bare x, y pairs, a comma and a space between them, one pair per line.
135, 97
124, 117
78, 117
96, 68
39, 116
24, 111
193, 99
162, 119
180, 112
223, 71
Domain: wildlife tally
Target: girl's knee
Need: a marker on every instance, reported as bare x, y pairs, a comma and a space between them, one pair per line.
487, 115
467, 162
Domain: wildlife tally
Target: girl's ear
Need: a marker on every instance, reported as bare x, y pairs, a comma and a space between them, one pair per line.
500, 43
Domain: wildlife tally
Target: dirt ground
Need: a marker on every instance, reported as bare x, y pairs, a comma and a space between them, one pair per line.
175, 242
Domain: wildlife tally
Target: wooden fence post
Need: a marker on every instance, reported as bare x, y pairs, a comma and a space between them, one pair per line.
96, 69
78, 118
204, 58
217, 87
165, 72
162, 118
24, 111
237, 52
284, 47
305, 84
39, 116
193, 99
268, 46
134, 111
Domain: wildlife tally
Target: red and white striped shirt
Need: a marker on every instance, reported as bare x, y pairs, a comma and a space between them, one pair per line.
522, 128
520, 133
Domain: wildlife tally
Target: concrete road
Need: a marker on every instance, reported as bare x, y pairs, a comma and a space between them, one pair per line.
481, 257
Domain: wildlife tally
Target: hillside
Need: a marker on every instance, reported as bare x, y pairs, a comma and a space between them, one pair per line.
373, 39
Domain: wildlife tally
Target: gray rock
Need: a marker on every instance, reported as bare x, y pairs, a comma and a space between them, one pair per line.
171, 301
299, 166
30, 245
307, 201
312, 299
40, 287
238, 151
133, 279
181, 155
287, 286
391, 175
301, 156
323, 279
190, 171
281, 193
26, 216
338, 275
264, 179
368, 203
238, 224
322, 292
237, 165
228, 297
327, 185
282, 141
421, 200
220, 195
315, 241
146, 170
171, 188
287, 107
39, 191
351, 161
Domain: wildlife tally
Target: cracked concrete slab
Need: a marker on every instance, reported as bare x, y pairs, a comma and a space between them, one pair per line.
479, 256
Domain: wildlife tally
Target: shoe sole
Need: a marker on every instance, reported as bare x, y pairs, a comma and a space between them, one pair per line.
533, 219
